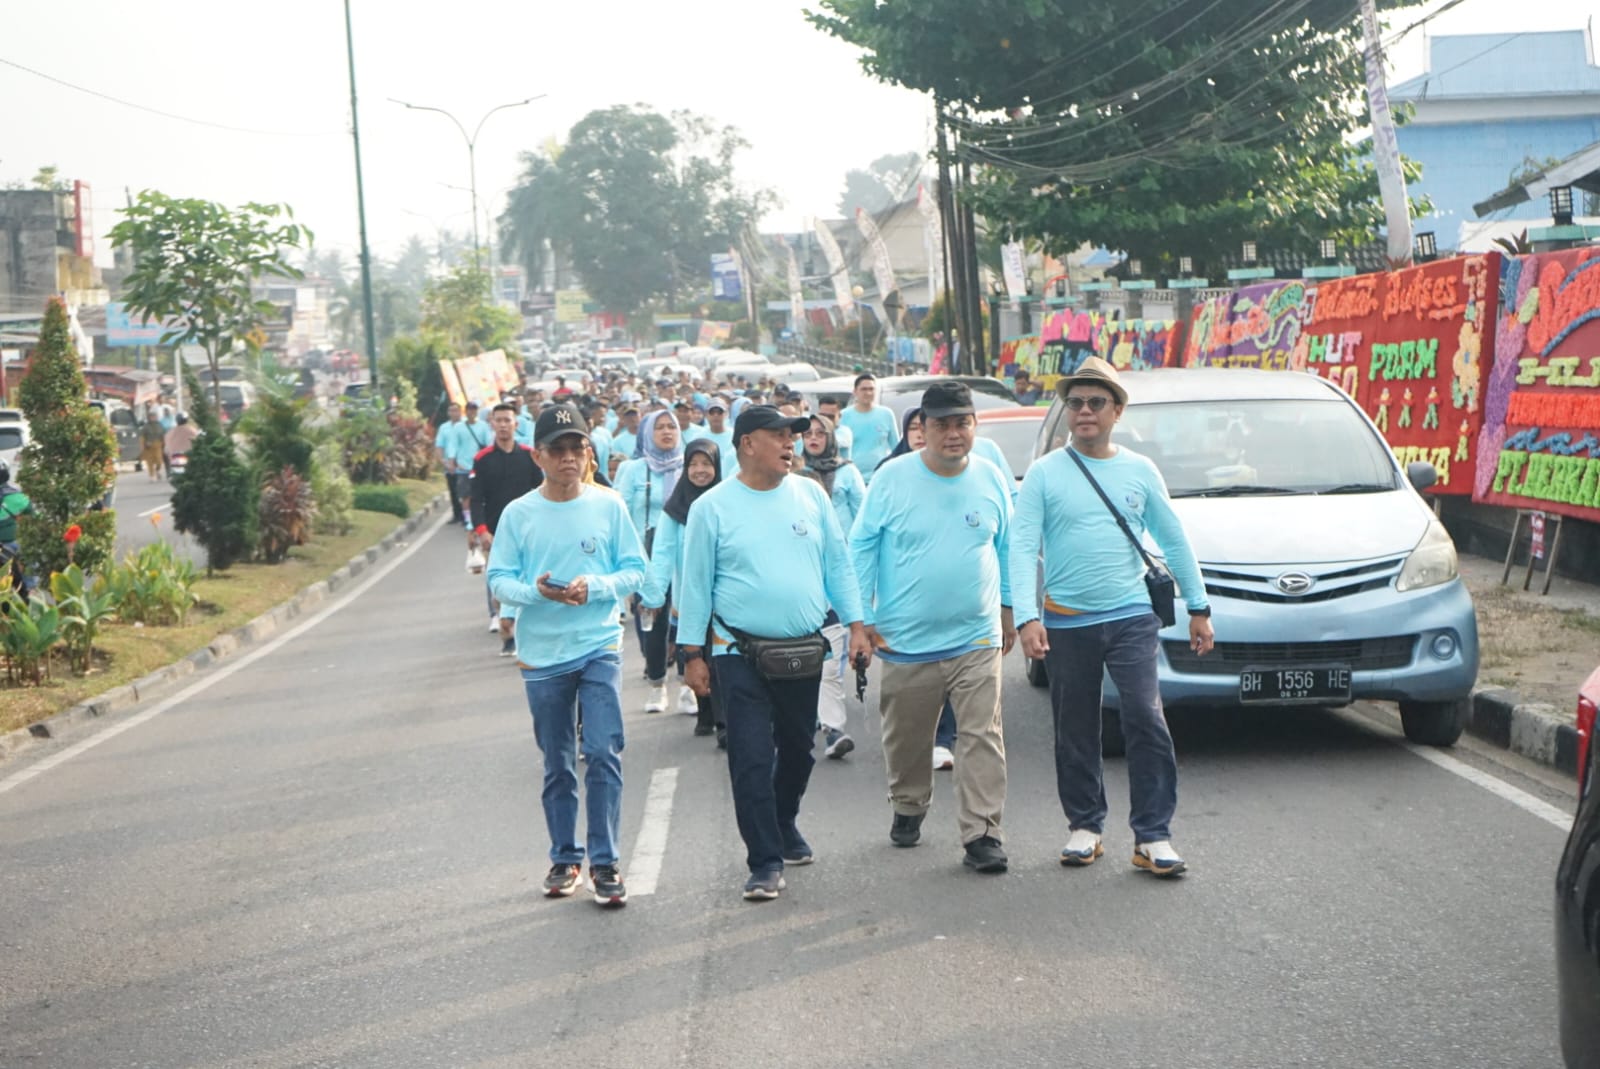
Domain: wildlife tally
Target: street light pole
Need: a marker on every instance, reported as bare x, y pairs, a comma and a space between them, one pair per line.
472, 153
361, 210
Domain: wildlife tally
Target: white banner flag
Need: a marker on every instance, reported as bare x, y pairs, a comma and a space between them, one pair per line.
797, 300
841, 277
1385, 149
933, 240
1011, 266
882, 270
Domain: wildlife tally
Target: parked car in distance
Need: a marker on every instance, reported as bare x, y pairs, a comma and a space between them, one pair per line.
123, 425
790, 374
1330, 580
1578, 900
13, 436
902, 392
1014, 430
669, 350
624, 360
237, 398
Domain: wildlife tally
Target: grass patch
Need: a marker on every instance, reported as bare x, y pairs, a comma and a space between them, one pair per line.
124, 652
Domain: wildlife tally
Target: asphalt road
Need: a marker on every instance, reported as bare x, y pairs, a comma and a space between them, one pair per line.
138, 500
330, 857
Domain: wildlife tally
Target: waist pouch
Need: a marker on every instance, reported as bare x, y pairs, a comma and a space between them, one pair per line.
780, 659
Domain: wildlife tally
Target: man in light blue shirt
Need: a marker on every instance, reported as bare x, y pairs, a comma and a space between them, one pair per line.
444, 443
1097, 616
468, 438
564, 558
718, 431
930, 550
627, 435
873, 427
525, 419
741, 535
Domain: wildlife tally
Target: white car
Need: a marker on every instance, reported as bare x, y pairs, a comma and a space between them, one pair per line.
785, 374
751, 364
697, 356
13, 436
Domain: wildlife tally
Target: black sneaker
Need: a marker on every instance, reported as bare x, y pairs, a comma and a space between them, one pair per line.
906, 830
722, 738
702, 730
796, 851
562, 881
763, 886
838, 744
508, 648
984, 855
608, 889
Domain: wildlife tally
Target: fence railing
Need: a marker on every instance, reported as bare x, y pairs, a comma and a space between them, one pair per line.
837, 362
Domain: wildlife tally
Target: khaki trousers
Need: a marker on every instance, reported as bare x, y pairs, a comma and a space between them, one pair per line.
911, 697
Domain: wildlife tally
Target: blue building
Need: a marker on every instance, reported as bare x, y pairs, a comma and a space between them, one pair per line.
1489, 106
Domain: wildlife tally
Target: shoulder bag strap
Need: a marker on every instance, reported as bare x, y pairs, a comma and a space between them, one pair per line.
1121, 521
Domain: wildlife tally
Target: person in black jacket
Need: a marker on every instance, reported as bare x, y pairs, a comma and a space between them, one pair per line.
502, 471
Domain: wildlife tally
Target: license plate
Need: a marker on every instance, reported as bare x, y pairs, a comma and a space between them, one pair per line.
1274, 686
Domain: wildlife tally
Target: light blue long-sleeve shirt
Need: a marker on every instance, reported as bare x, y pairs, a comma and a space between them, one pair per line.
724, 440
467, 440
873, 435
1092, 574
931, 555
769, 562
643, 491
666, 564
849, 491
990, 450
589, 536
623, 442
525, 425
601, 441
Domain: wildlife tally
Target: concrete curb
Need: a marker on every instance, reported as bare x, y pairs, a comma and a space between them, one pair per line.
1538, 732
223, 646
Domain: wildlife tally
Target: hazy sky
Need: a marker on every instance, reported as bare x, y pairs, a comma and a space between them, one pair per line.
278, 69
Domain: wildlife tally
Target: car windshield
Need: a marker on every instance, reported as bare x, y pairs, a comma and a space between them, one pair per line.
1015, 438
1233, 448
10, 438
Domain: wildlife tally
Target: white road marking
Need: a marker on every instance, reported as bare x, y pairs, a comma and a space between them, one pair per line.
152, 512
644, 868
200, 686
1499, 788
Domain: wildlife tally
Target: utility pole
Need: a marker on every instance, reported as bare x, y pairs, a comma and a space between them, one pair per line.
969, 227
361, 210
955, 281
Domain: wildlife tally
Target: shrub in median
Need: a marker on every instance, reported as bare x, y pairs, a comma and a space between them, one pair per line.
216, 499
390, 499
85, 601
331, 489
287, 509
154, 586
29, 628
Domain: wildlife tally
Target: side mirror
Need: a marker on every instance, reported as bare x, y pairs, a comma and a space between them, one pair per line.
1421, 474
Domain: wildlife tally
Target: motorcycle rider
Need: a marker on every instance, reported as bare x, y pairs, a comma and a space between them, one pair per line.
13, 503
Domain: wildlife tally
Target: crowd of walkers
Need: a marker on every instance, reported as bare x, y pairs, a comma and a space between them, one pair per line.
766, 555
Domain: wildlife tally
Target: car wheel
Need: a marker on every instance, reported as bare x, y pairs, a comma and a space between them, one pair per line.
1435, 723
1037, 674
1111, 744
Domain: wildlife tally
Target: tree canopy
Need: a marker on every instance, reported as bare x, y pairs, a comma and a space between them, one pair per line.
885, 181
1162, 127
636, 200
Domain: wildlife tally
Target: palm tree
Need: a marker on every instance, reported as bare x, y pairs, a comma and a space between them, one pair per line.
530, 230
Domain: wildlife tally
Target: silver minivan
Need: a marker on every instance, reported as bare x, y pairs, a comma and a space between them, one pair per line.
1329, 577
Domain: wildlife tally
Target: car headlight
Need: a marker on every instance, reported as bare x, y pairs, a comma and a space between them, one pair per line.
1431, 563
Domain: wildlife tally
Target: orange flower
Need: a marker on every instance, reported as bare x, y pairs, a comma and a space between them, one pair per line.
72, 534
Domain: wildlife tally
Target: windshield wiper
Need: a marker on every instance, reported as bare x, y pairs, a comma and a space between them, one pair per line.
1359, 488
1236, 491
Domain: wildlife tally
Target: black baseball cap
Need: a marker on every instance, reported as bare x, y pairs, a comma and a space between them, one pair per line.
766, 418
947, 399
557, 420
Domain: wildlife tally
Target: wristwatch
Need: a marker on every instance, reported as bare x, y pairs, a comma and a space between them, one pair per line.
1206, 612
693, 653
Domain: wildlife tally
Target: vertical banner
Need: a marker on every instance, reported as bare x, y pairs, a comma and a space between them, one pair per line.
452, 382
841, 278
1540, 445
797, 300
932, 241
1385, 148
1015, 274
882, 269
727, 280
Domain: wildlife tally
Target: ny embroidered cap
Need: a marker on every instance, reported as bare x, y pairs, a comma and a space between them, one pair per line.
1094, 372
557, 420
947, 399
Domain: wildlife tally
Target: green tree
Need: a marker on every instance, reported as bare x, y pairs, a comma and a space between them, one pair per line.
70, 461
460, 309
1161, 127
884, 182
529, 227
195, 261
217, 497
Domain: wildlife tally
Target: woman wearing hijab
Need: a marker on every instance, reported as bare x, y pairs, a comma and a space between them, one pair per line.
702, 469
911, 438
645, 484
840, 478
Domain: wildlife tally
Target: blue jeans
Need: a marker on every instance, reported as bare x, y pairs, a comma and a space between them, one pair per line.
945, 734
1077, 660
554, 705
771, 727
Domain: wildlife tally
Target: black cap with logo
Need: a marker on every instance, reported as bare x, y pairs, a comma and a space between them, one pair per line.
557, 420
766, 418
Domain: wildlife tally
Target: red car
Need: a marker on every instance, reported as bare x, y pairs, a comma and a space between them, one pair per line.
1578, 901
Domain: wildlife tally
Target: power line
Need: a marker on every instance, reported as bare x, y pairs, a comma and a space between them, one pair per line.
167, 114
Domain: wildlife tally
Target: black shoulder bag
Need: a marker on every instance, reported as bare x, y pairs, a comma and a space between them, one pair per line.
781, 659
1157, 580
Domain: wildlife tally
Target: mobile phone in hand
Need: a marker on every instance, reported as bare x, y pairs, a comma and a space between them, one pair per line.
556, 584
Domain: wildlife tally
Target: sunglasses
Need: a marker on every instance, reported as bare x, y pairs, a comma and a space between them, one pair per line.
1095, 404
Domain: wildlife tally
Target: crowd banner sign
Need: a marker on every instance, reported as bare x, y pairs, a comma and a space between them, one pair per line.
1138, 344
1540, 443
1256, 327
452, 382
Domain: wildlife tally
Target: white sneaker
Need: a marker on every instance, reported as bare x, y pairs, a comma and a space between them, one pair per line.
1083, 846
1158, 859
943, 759
658, 699
494, 625
688, 703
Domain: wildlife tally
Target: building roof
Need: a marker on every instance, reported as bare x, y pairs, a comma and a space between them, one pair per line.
1581, 169
1475, 65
